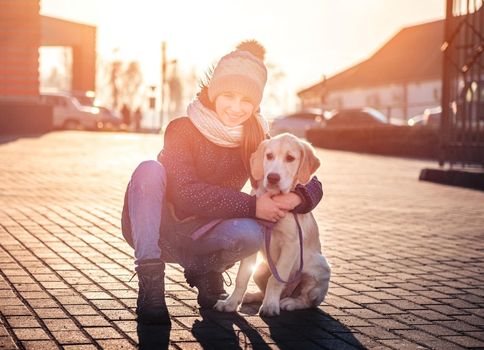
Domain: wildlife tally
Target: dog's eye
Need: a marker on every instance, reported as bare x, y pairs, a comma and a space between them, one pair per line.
290, 158
269, 156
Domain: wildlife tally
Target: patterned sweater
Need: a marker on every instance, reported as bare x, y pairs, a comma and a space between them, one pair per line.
204, 179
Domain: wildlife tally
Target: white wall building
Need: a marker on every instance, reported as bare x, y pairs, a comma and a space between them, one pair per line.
401, 79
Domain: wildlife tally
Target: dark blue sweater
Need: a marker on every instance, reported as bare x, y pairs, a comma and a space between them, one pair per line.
205, 179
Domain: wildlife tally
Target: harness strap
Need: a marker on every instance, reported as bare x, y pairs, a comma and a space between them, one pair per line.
272, 266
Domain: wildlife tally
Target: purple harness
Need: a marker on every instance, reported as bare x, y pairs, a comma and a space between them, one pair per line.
267, 235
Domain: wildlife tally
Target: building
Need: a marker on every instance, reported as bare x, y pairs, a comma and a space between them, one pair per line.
22, 31
401, 79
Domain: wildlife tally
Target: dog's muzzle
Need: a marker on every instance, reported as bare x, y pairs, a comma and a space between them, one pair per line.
273, 178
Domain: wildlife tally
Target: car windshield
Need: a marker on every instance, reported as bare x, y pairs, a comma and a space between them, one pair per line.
76, 102
354, 117
376, 114
306, 116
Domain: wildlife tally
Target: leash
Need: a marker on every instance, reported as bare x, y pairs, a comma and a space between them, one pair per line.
272, 266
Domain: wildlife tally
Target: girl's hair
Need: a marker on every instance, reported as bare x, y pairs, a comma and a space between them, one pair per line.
252, 137
253, 133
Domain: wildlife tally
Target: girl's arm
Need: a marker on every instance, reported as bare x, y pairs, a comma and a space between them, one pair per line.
304, 198
311, 194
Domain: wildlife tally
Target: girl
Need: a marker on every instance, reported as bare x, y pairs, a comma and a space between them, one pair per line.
187, 207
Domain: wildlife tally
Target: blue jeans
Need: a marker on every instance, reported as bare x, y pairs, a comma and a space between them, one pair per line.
228, 242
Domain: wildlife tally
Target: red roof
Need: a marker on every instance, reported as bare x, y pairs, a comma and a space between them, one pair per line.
413, 54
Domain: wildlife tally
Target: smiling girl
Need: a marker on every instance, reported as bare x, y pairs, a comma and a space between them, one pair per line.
187, 207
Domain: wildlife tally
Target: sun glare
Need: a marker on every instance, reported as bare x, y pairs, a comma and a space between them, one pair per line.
318, 40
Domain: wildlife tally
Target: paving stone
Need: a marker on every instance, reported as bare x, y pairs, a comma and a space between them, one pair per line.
70, 337
376, 332
431, 315
23, 322
402, 344
459, 326
40, 345
7, 343
94, 321
80, 310
116, 344
60, 324
30, 333
103, 332
388, 323
385, 309
51, 313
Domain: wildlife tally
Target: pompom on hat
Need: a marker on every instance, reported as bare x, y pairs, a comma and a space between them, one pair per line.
241, 71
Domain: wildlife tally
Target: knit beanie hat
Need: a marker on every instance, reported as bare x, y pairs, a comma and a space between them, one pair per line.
241, 71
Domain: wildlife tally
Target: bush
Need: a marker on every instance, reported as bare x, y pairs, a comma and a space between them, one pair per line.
420, 142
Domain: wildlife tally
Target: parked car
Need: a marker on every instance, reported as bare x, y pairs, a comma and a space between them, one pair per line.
109, 120
69, 114
85, 98
430, 117
297, 123
355, 117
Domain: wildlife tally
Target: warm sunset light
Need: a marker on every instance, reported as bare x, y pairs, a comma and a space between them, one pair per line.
304, 40
241, 174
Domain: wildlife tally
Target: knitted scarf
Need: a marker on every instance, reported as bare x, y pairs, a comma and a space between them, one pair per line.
206, 121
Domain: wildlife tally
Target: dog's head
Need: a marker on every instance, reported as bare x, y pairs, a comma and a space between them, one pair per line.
282, 162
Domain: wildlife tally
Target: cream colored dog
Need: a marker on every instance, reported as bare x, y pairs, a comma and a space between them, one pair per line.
278, 165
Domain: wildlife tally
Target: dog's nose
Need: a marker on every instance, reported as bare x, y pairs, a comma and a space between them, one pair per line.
273, 178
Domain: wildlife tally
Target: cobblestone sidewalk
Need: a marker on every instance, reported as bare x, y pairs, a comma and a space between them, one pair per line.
407, 257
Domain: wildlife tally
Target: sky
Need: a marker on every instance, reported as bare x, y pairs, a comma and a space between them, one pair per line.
305, 39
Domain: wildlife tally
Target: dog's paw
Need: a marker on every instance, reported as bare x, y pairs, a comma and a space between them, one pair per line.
270, 310
228, 305
288, 304
250, 298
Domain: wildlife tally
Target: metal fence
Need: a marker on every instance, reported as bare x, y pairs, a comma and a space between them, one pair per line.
462, 127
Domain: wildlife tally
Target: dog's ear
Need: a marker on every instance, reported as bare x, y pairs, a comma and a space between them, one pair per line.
309, 163
257, 162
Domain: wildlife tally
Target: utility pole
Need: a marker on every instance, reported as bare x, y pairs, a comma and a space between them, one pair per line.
164, 64
163, 82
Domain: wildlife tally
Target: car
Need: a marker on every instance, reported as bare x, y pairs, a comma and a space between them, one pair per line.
69, 114
356, 117
298, 123
85, 98
109, 120
430, 117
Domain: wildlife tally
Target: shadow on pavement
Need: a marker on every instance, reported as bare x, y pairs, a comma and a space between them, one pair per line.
304, 329
12, 138
153, 337
310, 329
220, 330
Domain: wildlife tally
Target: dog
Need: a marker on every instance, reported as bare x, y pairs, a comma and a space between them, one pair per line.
278, 165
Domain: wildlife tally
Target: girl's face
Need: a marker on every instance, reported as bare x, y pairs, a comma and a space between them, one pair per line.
233, 108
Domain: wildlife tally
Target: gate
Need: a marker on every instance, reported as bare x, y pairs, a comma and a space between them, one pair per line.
462, 125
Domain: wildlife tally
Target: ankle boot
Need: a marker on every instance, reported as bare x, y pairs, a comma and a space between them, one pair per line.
210, 288
151, 307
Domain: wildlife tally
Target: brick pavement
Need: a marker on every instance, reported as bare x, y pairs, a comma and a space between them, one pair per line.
407, 257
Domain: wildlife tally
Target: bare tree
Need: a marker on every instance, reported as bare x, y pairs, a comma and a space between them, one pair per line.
125, 82
115, 68
275, 94
130, 83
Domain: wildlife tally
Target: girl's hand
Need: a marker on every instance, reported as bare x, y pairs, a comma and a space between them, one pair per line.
287, 201
268, 209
